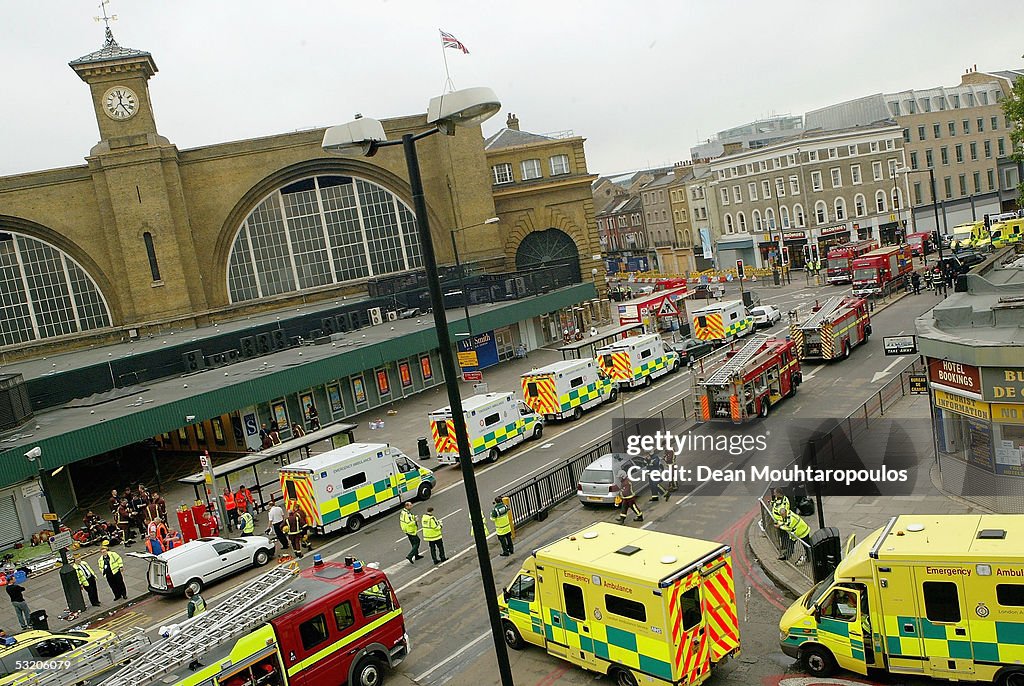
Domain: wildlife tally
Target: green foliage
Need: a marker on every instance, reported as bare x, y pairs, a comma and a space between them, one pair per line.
1013, 106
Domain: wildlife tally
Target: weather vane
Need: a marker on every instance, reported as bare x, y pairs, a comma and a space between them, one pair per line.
105, 19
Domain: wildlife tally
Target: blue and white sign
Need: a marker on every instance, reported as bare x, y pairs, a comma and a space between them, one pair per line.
486, 348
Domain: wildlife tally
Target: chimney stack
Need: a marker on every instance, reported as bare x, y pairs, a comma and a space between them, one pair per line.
513, 122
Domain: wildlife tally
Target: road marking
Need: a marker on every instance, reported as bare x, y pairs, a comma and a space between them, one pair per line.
436, 567
677, 399
335, 556
686, 497
885, 372
451, 513
451, 657
546, 446
814, 371
501, 489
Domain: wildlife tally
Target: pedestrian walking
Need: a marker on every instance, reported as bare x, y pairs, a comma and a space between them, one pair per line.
798, 530
654, 474
628, 498
928, 280
432, 534
276, 517
196, 604
296, 527
246, 524
111, 565
313, 416
16, 592
230, 508
87, 579
407, 520
265, 440
915, 281
502, 518
670, 467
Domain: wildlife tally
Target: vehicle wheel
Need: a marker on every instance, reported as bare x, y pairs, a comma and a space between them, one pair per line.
675, 367
846, 349
354, 524
195, 585
493, 456
766, 407
576, 413
261, 558
613, 395
368, 673
538, 431
1012, 678
647, 381
867, 331
818, 661
622, 676
424, 492
512, 637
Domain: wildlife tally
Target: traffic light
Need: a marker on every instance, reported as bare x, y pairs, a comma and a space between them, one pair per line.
739, 269
988, 222
936, 238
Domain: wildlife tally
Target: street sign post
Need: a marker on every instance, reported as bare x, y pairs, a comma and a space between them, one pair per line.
60, 539
899, 345
472, 376
50, 517
918, 384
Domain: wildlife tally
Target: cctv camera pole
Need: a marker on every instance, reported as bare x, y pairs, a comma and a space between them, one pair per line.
68, 575
451, 383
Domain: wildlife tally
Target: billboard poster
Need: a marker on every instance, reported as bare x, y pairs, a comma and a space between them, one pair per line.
484, 345
359, 389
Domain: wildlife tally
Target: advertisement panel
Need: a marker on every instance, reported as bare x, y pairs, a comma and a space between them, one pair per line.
964, 377
483, 347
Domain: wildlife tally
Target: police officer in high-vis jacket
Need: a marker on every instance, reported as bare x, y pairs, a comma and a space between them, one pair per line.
432, 534
502, 518
407, 520
797, 528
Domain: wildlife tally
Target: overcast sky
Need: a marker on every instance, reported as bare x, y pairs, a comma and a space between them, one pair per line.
642, 81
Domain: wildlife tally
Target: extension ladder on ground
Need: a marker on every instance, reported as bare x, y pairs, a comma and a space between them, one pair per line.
248, 607
90, 660
824, 313
723, 374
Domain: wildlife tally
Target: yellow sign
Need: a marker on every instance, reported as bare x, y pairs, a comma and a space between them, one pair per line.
467, 359
962, 405
208, 477
1008, 413
49, 516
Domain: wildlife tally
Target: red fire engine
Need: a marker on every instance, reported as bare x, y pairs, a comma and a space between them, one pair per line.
882, 271
750, 380
833, 329
330, 624
840, 257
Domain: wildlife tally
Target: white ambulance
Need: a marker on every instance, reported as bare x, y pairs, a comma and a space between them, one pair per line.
567, 388
637, 360
725, 321
341, 488
495, 422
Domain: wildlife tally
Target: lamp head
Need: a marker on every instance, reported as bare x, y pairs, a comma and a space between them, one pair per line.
35, 453
465, 107
493, 220
189, 418
358, 137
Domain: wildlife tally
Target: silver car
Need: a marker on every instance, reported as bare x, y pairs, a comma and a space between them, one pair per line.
599, 482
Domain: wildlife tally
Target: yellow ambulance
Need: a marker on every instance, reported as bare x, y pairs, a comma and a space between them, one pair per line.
641, 606
1007, 233
567, 388
932, 595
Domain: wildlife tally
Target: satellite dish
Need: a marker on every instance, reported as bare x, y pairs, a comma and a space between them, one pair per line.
915, 527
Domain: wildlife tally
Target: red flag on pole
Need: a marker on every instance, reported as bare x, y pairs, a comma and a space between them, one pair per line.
450, 41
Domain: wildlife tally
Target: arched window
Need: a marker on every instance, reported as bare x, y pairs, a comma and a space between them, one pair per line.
320, 231
741, 222
756, 218
686, 238
154, 268
784, 216
897, 198
798, 215
820, 212
728, 223
769, 218
840, 209
44, 292
859, 205
880, 205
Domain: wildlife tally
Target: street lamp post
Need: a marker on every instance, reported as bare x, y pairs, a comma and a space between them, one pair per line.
935, 203
462, 277
68, 575
466, 107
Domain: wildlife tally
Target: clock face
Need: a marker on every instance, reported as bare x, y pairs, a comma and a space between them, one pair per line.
120, 102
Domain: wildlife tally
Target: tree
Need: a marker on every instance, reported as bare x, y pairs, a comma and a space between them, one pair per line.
1013, 107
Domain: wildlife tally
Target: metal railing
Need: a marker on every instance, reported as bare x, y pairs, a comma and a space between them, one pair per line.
780, 540
533, 499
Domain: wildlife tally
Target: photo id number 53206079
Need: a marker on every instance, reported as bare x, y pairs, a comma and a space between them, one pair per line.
40, 665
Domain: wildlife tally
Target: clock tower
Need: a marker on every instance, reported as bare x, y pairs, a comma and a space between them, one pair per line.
119, 81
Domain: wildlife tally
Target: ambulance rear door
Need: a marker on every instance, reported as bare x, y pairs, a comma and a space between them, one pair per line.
298, 489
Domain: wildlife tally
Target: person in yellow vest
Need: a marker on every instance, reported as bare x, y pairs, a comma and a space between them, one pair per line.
196, 604
87, 579
246, 523
798, 530
502, 518
407, 520
432, 534
110, 567
483, 520
778, 502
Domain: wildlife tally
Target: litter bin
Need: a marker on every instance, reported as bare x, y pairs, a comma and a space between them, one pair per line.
423, 448
38, 620
826, 552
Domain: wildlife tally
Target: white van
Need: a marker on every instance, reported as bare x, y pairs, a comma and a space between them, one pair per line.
637, 360
567, 388
725, 321
196, 564
343, 487
495, 423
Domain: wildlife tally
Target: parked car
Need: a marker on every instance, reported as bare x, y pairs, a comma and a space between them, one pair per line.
37, 646
599, 483
969, 258
955, 240
765, 316
198, 563
691, 349
707, 291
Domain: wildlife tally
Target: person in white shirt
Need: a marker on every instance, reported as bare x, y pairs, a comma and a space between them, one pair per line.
276, 516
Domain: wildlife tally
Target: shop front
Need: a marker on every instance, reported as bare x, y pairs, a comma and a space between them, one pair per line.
796, 245
768, 246
890, 233
731, 248
831, 237
863, 232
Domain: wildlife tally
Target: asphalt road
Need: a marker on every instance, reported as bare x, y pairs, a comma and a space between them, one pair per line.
445, 613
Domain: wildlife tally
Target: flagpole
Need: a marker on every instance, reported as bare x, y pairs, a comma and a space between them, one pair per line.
447, 76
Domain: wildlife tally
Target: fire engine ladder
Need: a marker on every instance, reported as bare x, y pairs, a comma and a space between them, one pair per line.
723, 374
90, 660
254, 603
824, 313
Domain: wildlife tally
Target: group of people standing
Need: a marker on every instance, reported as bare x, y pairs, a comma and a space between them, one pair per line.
935, 279
133, 510
433, 531
654, 465
291, 529
241, 510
